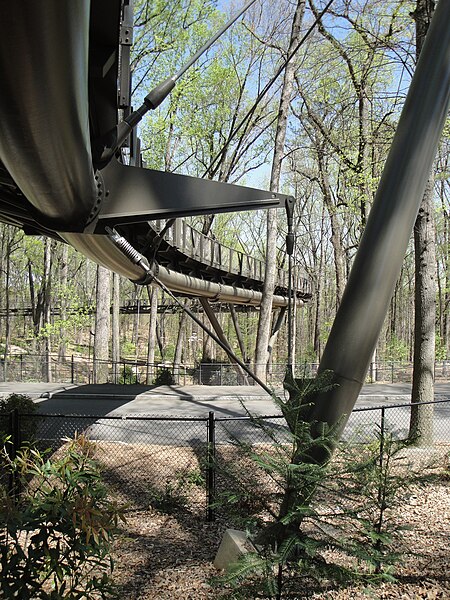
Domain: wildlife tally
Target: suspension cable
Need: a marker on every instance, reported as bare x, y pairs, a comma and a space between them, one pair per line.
136, 257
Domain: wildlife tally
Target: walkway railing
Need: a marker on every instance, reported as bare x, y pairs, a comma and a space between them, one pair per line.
208, 251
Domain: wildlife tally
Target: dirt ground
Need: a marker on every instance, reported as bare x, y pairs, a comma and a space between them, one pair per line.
170, 556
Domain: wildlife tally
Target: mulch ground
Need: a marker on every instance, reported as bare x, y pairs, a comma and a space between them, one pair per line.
170, 556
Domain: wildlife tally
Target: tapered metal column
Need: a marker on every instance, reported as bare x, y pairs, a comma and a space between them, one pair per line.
242, 376
382, 249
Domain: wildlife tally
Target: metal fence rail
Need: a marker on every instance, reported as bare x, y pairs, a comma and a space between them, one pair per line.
196, 459
84, 370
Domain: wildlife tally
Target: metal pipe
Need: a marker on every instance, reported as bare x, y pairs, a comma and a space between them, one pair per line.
378, 261
102, 250
44, 112
192, 286
157, 95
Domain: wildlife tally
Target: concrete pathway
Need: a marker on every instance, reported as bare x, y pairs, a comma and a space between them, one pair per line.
194, 401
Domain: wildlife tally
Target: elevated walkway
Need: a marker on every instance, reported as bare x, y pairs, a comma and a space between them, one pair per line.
186, 250
55, 180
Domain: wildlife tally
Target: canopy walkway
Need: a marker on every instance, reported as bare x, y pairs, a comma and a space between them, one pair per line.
56, 181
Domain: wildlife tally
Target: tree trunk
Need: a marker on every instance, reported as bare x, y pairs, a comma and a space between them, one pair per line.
318, 291
209, 346
136, 319
238, 332
445, 293
153, 299
115, 337
421, 425
102, 325
179, 347
45, 293
7, 232
364, 152
265, 315
336, 230
63, 279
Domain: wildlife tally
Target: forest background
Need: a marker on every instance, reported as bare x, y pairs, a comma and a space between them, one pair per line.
349, 82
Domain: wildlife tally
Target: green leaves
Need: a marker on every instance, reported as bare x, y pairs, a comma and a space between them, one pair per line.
301, 509
302, 392
56, 539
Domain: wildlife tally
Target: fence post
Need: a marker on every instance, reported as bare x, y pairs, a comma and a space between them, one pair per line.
72, 370
15, 445
382, 434
211, 466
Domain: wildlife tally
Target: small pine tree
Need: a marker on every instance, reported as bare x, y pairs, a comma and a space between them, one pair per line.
315, 507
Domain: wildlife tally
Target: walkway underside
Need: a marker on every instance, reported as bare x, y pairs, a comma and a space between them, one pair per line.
59, 67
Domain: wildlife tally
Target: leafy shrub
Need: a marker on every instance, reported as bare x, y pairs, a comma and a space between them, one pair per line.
375, 483
171, 498
174, 495
128, 376
56, 534
164, 376
24, 405
128, 349
315, 506
396, 350
21, 402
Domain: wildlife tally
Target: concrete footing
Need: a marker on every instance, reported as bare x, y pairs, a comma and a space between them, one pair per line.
233, 545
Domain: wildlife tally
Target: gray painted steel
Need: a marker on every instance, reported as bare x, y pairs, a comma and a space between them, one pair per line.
136, 195
218, 292
59, 67
44, 124
382, 249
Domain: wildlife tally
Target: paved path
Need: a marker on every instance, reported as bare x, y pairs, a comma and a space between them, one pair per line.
198, 401
193, 401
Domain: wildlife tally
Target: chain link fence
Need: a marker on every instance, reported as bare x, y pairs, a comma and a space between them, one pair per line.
81, 370
193, 462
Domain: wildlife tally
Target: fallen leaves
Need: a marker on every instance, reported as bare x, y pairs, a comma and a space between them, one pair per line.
169, 557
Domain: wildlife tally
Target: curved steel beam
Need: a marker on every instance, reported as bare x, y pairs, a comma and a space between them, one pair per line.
192, 286
102, 250
58, 67
44, 125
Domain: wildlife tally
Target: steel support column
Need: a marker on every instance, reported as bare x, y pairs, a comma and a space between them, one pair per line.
383, 245
221, 335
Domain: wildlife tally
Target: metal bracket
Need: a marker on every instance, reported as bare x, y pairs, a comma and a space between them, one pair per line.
126, 35
101, 194
125, 42
133, 195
